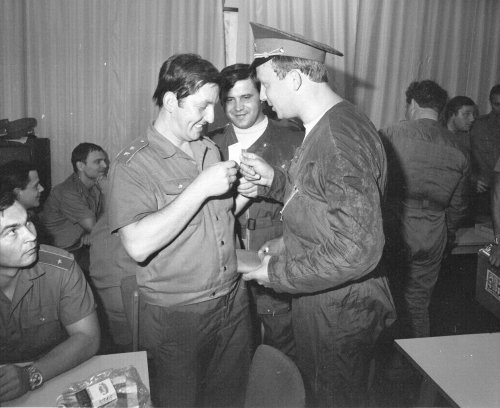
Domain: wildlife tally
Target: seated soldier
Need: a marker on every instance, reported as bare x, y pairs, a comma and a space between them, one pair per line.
73, 207
47, 309
21, 178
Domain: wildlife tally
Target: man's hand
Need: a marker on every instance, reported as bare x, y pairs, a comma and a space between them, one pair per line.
274, 246
495, 256
256, 169
247, 188
85, 239
481, 186
217, 178
13, 382
260, 274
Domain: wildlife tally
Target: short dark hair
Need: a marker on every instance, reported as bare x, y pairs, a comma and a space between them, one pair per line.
7, 200
315, 70
455, 104
232, 74
428, 94
495, 91
82, 151
183, 75
15, 174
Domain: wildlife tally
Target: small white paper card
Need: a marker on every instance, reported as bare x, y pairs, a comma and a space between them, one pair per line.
234, 152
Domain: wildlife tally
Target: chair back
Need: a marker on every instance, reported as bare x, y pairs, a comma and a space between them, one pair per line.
130, 298
274, 381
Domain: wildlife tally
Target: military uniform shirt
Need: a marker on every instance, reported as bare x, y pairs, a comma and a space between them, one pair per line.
49, 296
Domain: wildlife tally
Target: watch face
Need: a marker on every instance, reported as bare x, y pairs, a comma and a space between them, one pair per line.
36, 378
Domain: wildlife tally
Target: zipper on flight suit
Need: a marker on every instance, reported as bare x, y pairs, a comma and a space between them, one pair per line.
294, 191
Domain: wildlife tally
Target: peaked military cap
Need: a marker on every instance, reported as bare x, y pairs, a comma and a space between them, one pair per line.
270, 42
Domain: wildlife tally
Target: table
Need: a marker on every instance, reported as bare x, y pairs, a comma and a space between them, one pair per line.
46, 395
465, 369
469, 241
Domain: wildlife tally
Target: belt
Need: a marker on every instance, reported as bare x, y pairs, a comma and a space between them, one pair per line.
258, 223
423, 204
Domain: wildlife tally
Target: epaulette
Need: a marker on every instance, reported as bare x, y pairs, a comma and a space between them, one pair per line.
210, 140
126, 154
55, 257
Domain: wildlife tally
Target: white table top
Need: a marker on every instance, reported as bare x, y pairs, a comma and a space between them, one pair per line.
46, 395
465, 368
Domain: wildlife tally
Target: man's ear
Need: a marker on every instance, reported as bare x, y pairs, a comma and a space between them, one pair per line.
80, 165
17, 191
296, 79
169, 101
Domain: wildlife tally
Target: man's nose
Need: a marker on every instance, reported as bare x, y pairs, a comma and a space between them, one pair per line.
263, 96
210, 115
40, 188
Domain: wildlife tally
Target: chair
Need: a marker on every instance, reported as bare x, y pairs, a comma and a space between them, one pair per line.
130, 298
274, 381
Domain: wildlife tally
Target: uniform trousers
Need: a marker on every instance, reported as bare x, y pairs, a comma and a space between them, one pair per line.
335, 334
200, 353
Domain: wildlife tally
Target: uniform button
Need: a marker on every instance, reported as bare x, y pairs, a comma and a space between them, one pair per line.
180, 185
42, 319
216, 218
225, 268
213, 294
265, 144
222, 242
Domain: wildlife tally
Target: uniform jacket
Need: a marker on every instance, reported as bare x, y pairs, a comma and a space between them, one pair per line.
332, 211
276, 146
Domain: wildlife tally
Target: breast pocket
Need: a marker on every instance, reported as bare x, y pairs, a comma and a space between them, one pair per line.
41, 326
171, 189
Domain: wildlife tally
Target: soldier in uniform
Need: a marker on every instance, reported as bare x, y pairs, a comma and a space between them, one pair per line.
47, 310
74, 206
173, 210
332, 220
260, 218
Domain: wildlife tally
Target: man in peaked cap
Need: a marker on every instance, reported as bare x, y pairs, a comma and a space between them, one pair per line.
46, 306
333, 236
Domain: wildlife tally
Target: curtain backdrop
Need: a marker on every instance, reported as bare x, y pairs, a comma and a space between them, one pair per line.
389, 43
86, 70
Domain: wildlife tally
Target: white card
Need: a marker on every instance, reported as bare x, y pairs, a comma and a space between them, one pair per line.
234, 152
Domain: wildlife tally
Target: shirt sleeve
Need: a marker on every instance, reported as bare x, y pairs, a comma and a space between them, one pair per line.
457, 210
77, 300
130, 196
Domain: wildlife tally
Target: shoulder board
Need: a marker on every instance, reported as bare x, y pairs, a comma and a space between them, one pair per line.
57, 257
208, 139
127, 153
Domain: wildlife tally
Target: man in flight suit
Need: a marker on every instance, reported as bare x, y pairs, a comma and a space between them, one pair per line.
260, 218
332, 220
427, 198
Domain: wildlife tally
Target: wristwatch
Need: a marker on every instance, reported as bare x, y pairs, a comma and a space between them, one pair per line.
496, 241
35, 377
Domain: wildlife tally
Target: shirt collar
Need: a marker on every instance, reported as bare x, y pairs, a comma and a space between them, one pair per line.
164, 147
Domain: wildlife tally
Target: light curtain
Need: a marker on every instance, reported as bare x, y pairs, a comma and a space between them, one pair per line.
390, 43
87, 69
